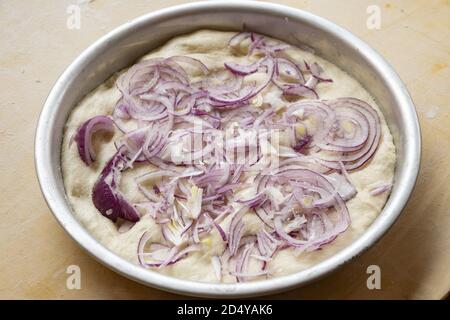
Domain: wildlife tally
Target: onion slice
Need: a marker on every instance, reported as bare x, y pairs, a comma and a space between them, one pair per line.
85, 134
106, 195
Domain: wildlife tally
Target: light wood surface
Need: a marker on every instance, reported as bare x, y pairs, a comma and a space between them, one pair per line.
36, 46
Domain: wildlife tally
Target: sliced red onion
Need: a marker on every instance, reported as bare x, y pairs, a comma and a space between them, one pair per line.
85, 134
267, 245
380, 189
235, 231
302, 202
254, 202
160, 254
238, 38
248, 92
244, 94
106, 195
243, 261
194, 62
312, 182
217, 265
279, 228
222, 233
175, 231
355, 159
286, 68
242, 70
257, 43
342, 185
300, 90
317, 72
261, 258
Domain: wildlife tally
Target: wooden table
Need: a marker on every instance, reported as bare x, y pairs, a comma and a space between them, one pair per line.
36, 46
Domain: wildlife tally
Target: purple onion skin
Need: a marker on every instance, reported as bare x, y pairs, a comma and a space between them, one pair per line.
107, 199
